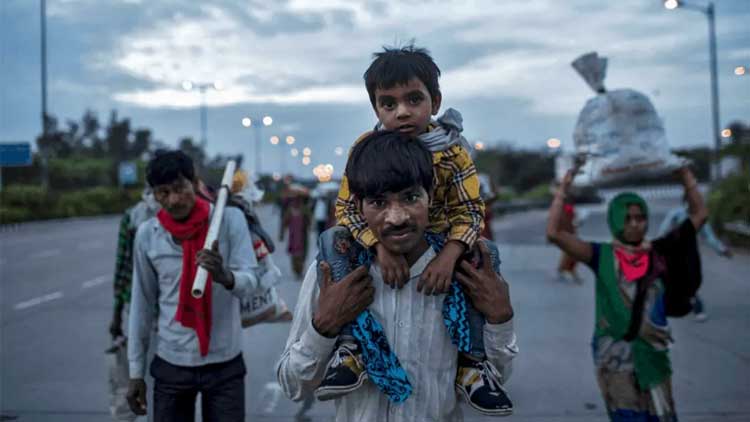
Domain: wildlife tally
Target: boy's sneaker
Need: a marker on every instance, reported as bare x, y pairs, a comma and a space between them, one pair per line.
479, 383
344, 374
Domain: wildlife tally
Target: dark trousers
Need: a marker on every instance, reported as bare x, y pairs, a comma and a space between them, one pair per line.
222, 388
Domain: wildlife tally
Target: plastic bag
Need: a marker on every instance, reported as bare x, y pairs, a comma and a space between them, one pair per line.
264, 303
118, 377
619, 131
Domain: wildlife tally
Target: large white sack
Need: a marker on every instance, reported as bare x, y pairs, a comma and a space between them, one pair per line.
619, 131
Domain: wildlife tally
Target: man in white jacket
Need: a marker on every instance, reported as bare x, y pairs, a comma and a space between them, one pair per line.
393, 192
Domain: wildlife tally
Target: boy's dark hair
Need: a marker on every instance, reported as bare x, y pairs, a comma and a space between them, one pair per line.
396, 66
386, 161
167, 166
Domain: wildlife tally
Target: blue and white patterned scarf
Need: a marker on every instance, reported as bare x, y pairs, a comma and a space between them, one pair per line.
380, 361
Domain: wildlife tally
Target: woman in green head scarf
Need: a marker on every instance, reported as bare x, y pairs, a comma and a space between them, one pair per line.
633, 298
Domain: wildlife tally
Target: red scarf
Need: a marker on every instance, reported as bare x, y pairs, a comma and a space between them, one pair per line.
633, 262
191, 312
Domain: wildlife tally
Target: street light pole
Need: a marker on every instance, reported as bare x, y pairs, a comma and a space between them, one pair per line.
202, 88
43, 18
248, 121
204, 117
714, 88
709, 12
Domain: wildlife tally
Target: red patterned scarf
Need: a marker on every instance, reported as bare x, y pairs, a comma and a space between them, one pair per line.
632, 261
191, 312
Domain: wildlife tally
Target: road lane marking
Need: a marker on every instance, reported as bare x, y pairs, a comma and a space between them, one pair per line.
38, 300
95, 282
48, 253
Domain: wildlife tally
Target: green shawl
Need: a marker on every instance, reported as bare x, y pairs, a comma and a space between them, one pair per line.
652, 366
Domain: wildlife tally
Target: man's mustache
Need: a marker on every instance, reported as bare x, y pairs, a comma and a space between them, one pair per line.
398, 229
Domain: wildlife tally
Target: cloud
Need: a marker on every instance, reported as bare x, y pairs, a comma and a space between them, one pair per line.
529, 46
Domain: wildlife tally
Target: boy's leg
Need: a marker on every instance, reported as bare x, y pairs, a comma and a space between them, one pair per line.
477, 379
346, 370
175, 389
223, 391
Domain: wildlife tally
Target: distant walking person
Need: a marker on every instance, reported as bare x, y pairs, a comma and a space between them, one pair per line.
673, 219
566, 269
198, 341
296, 220
638, 284
117, 354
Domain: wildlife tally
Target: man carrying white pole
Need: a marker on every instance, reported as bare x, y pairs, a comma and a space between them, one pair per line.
198, 346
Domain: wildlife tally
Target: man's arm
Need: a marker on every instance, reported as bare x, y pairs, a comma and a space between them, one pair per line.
303, 362
143, 304
320, 315
489, 293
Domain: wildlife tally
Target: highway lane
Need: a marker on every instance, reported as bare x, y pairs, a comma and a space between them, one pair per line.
53, 365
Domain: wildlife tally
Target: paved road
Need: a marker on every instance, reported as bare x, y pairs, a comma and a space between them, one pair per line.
55, 305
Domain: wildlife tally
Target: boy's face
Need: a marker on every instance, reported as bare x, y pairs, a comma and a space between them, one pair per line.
406, 108
176, 198
398, 219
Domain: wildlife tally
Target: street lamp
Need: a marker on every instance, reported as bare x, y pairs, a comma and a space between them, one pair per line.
553, 143
257, 124
708, 10
338, 151
202, 87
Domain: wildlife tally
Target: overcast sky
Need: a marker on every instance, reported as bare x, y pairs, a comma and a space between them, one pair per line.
506, 65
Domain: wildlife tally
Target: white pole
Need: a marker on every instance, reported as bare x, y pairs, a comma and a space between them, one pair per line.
199, 284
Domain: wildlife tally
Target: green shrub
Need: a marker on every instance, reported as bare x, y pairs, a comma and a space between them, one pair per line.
540, 192
28, 203
10, 215
730, 202
77, 173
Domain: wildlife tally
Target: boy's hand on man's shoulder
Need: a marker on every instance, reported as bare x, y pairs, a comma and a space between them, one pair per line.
394, 267
437, 276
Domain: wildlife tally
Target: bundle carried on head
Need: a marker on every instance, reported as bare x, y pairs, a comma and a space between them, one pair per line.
619, 131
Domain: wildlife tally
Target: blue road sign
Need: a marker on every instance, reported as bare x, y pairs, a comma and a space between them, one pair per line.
128, 173
16, 154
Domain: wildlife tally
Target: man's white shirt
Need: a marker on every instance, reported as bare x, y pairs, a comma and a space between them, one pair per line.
413, 324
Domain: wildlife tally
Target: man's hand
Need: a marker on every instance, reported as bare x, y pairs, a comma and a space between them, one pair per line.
487, 289
437, 276
340, 303
211, 260
394, 267
137, 396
